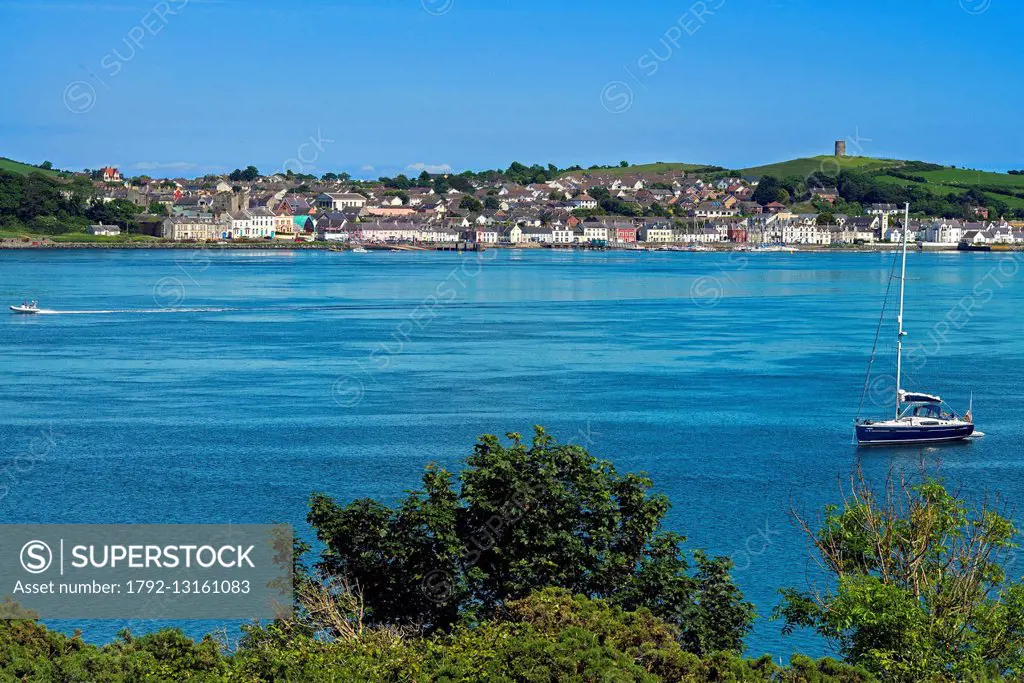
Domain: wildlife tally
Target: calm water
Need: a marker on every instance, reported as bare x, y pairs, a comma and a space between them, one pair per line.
226, 386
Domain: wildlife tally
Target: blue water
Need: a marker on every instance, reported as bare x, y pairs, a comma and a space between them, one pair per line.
225, 386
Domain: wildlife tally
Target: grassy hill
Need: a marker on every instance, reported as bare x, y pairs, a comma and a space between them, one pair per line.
825, 164
23, 169
938, 181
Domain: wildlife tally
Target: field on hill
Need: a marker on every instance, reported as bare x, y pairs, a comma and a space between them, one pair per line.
942, 189
966, 178
22, 169
824, 164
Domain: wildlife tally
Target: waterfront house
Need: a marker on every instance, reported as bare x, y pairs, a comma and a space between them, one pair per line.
433, 233
975, 237
944, 231
107, 230
562, 234
708, 234
595, 232
737, 233
538, 233
386, 232
655, 232
511, 235
184, 228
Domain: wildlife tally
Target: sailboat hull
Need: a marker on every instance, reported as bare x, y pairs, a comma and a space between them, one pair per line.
892, 434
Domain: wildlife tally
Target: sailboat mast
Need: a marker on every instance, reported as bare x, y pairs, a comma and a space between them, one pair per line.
900, 335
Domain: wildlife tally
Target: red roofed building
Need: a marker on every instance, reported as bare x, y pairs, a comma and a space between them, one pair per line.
111, 174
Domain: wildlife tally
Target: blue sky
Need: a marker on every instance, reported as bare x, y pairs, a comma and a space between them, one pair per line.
380, 86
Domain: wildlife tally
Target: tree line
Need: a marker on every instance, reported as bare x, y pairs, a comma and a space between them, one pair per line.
39, 203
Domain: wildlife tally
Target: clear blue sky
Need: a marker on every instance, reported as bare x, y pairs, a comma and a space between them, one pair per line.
479, 83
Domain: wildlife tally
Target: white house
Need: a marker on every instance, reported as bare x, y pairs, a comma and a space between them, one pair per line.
709, 234
431, 232
656, 232
386, 232
336, 201
944, 232
562, 234
513, 235
595, 231
184, 228
538, 233
583, 201
800, 232
104, 229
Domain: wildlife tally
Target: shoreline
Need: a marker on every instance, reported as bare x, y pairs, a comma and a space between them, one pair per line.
37, 244
789, 249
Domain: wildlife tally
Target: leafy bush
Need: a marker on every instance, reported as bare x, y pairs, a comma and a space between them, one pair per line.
919, 587
526, 518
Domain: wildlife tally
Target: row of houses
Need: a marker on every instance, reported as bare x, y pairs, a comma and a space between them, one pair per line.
781, 228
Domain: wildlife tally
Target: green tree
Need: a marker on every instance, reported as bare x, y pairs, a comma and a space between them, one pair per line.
918, 584
471, 204
492, 203
461, 183
524, 518
623, 164
248, 175
769, 190
118, 212
157, 209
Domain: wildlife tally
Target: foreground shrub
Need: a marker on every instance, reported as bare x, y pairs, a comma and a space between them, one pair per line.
522, 519
919, 589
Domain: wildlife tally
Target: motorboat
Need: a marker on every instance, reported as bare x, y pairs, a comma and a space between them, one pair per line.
27, 308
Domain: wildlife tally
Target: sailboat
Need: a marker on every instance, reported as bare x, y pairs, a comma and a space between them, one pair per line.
919, 418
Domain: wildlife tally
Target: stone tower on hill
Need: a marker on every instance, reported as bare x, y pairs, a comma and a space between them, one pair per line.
840, 148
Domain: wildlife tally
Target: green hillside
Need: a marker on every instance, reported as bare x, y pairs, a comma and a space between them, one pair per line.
824, 164
23, 169
1004, 191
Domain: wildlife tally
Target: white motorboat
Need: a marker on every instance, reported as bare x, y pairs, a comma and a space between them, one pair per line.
28, 307
360, 250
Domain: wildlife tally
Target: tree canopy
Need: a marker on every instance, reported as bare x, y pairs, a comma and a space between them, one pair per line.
918, 584
526, 517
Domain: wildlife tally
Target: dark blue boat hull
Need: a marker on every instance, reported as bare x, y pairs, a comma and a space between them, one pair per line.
879, 435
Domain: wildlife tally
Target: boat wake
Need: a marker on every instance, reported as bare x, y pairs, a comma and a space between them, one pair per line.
112, 311
385, 306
